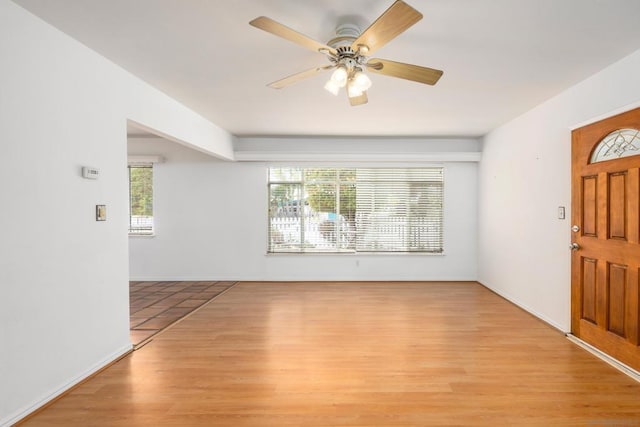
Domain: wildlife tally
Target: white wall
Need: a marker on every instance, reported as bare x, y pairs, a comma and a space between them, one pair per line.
356, 149
524, 176
64, 302
63, 276
211, 223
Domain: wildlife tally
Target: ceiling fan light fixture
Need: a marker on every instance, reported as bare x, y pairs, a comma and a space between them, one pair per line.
340, 76
361, 80
332, 87
353, 90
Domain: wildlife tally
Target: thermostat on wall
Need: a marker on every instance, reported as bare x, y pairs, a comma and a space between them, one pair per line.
90, 173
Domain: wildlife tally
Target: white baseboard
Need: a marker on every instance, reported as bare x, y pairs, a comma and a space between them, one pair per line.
28, 409
526, 308
364, 279
180, 279
605, 357
302, 279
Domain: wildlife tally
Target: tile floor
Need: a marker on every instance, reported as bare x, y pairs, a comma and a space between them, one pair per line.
155, 305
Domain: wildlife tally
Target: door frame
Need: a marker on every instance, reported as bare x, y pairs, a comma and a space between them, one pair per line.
617, 118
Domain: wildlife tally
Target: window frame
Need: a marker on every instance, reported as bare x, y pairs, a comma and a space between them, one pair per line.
141, 232
337, 250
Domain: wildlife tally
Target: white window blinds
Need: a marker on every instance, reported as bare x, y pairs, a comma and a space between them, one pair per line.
399, 210
356, 210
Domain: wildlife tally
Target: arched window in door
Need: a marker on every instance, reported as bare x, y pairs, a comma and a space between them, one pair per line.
619, 143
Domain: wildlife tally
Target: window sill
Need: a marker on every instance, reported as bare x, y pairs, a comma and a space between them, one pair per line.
358, 254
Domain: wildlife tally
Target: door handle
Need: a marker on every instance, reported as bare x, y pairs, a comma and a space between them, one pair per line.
574, 246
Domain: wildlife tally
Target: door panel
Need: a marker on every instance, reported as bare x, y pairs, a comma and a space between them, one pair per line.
605, 267
616, 298
589, 205
617, 206
589, 270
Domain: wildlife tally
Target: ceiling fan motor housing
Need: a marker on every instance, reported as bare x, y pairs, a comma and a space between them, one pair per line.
345, 36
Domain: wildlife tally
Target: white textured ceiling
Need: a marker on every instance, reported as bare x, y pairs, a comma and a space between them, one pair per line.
500, 58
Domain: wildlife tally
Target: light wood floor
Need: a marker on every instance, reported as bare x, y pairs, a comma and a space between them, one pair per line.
153, 306
354, 354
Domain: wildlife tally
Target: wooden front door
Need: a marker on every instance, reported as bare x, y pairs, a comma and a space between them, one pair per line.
606, 244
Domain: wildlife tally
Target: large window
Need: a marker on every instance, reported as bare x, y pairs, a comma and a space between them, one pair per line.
355, 209
141, 199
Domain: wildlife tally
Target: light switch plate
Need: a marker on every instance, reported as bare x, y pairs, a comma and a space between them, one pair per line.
561, 213
101, 212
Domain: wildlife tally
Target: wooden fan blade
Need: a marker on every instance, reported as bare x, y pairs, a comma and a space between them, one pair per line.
273, 27
295, 78
393, 22
416, 73
359, 100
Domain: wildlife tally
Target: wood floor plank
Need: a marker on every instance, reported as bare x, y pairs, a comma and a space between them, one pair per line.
154, 306
354, 354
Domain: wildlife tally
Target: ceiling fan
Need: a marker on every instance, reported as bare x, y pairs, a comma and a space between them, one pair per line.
349, 53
